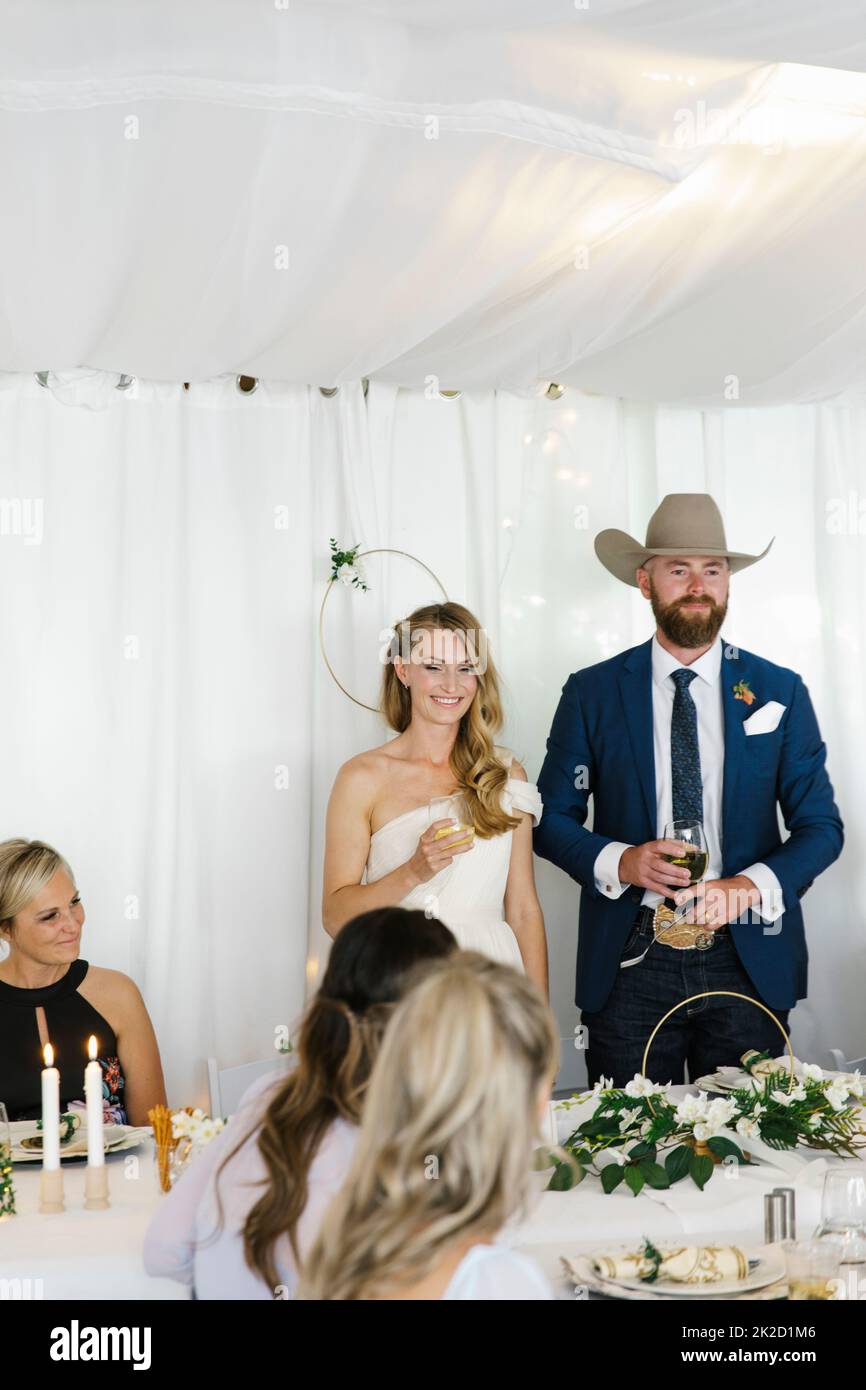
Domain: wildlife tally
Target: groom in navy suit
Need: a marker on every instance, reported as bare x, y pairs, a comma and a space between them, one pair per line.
685, 728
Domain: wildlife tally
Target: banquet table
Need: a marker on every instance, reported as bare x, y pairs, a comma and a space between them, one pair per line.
82, 1254
730, 1209
78, 1254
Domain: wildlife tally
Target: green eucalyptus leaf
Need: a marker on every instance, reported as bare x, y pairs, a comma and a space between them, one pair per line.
563, 1178
642, 1150
701, 1169
725, 1148
677, 1162
611, 1176
654, 1174
601, 1125
634, 1178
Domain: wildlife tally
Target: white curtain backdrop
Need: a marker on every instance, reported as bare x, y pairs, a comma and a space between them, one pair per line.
652, 199
170, 723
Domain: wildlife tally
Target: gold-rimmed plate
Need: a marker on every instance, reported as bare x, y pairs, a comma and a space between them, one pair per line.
766, 1266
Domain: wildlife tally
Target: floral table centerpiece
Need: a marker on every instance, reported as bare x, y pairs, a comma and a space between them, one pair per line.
641, 1136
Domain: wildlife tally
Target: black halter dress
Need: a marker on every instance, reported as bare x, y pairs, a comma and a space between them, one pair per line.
70, 1021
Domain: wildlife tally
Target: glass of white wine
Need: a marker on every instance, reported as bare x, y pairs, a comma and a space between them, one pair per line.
694, 857
454, 808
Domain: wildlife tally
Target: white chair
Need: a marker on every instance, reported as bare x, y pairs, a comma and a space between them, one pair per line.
226, 1086
841, 1064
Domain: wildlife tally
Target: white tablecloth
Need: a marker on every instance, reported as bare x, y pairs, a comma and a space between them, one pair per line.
78, 1254
730, 1208
82, 1254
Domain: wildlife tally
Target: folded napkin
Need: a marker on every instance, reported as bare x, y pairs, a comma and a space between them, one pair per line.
765, 1066
580, 1271
684, 1264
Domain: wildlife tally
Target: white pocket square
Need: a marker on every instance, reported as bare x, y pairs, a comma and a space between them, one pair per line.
765, 719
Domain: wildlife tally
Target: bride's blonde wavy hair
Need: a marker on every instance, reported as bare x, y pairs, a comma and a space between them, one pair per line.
478, 772
449, 1125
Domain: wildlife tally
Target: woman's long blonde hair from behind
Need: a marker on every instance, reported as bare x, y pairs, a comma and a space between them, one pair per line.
449, 1126
477, 770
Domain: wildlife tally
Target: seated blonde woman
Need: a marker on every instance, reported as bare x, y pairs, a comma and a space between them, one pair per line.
443, 1158
386, 842
48, 994
249, 1207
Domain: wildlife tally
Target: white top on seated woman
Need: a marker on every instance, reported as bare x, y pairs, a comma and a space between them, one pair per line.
443, 1161
386, 842
248, 1207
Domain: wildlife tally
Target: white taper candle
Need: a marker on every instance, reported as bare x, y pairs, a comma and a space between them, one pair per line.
93, 1097
50, 1111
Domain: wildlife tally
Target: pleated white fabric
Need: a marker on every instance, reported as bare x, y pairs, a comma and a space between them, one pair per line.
468, 894
169, 721
651, 199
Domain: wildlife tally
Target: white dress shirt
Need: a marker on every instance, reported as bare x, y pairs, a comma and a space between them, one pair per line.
706, 691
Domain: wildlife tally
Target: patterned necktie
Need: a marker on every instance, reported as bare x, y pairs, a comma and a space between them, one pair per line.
686, 788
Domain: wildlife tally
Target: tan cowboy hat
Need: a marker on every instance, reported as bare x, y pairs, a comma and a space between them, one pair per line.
685, 523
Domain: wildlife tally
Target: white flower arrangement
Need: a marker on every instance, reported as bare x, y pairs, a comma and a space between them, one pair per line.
344, 567
198, 1127
631, 1127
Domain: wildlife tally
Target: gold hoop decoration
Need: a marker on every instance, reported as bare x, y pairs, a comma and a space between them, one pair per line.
384, 550
708, 994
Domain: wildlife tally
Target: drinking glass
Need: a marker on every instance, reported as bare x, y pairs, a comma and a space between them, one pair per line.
812, 1268
843, 1212
453, 807
694, 857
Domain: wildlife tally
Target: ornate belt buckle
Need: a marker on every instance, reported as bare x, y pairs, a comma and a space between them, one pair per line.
681, 936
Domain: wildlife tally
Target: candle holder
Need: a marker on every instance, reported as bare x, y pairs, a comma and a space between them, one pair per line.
96, 1188
51, 1190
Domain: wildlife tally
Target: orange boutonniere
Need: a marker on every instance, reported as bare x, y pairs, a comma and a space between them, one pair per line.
742, 692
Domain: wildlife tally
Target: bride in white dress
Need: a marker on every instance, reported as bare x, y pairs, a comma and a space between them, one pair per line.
381, 847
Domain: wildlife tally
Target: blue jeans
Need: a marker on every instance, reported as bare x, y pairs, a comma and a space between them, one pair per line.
704, 1035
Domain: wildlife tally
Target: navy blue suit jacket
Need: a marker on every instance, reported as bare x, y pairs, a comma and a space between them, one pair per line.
604, 725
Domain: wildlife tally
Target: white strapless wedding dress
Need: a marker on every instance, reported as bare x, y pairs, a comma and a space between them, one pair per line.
468, 894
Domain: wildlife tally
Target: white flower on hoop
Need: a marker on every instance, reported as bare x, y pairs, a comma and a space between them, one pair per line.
348, 575
642, 1086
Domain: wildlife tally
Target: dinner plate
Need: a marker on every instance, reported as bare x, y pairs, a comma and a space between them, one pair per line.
726, 1079
769, 1265
115, 1137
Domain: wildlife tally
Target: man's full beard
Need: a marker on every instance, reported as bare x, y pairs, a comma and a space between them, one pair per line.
686, 629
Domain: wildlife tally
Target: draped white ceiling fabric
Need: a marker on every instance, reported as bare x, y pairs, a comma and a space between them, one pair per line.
651, 199
657, 203
170, 723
